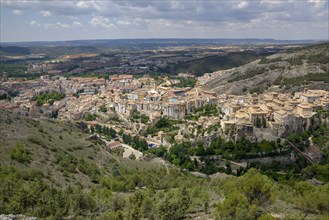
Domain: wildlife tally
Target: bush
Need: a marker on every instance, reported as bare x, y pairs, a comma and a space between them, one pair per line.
175, 206
187, 82
35, 140
102, 108
136, 116
66, 162
236, 206
90, 117
20, 154
90, 169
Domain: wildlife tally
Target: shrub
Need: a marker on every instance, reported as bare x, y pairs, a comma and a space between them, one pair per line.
34, 140
90, 117
102, 108
20, 154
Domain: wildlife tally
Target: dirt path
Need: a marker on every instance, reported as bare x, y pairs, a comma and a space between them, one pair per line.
238, 164
129, 150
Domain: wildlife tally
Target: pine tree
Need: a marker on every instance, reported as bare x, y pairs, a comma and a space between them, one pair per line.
258, 122
263, 122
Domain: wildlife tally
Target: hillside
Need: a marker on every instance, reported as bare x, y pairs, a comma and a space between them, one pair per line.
47, 50
289, 71
13, 50
212, 63
49, 170
56, 172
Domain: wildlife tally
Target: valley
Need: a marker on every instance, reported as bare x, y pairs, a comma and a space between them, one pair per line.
241, 142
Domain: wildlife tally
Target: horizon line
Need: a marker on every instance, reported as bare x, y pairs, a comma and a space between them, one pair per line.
160, 38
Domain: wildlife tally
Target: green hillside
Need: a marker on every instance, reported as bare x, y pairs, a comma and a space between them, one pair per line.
213, 63
12, 50
17, 69
48, 169
48, 50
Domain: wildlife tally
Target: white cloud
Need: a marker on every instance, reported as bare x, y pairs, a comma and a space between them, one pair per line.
77, 24
82, 4
101, 22
179, 11
45, 13
35, 23
272, 2
318, 3
145, 18
57, 25
63, 25
17, 12
241, 5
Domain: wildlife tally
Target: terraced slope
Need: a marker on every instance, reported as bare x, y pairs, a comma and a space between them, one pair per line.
290, 71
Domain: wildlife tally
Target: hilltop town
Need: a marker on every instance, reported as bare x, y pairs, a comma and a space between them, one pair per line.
137, 104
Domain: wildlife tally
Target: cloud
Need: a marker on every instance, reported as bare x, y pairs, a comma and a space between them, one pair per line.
241, 5
45, 13
17, 12
76, 24
82, 4
63, 25
101, 22
206, 18
57, 25
317, 3
198, 10
73, 18
35, 23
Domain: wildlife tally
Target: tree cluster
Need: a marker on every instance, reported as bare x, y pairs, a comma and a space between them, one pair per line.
50, 98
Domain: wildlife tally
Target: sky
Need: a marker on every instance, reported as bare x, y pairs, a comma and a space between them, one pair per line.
58, 20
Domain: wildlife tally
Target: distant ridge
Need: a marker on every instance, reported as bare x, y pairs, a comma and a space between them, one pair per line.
158, 42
